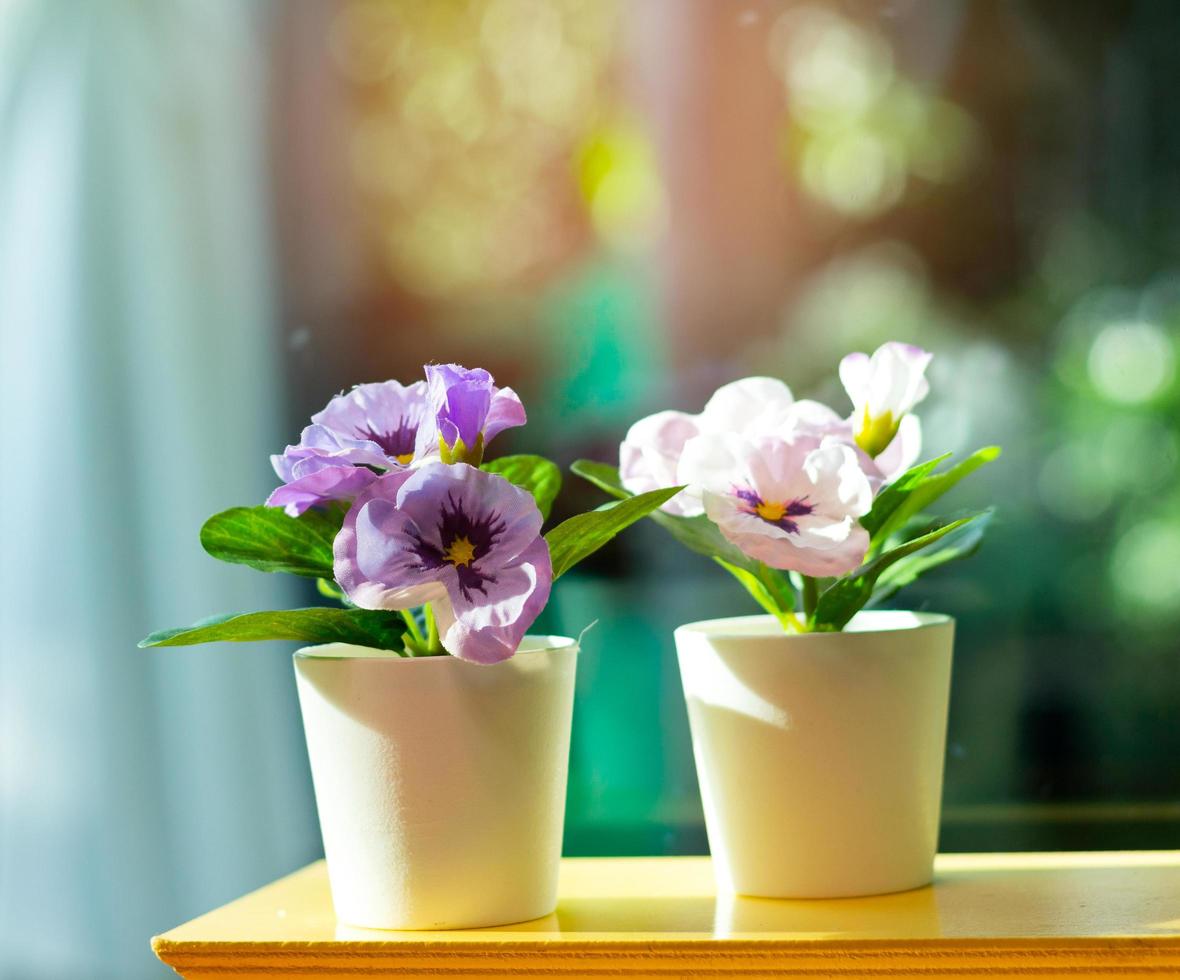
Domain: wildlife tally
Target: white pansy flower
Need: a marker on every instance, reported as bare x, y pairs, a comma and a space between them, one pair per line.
791, 502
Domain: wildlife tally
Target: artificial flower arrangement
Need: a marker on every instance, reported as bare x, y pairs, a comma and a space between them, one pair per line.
816, 514
425, 548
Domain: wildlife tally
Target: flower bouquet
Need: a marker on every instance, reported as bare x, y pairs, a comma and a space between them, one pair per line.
423, 550
818, 729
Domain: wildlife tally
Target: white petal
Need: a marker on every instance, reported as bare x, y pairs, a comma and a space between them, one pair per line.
776, 466
737, 406
815, 417
898, 379
714, 462
649, 454
838, 560
841, 486
855, 374
903, 451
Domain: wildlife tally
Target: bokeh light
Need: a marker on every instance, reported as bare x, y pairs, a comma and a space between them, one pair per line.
1131, 361
1144, 571
487, 144
619, 180
834, 70
858, 131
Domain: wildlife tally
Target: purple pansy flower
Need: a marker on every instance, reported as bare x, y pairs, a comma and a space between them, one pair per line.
465, 541
469, 410
374, 427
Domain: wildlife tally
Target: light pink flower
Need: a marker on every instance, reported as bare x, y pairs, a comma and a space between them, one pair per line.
650, 452
790, 502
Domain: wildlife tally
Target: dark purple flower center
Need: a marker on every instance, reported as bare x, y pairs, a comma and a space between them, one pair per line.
779, 513
464, 540
398, 443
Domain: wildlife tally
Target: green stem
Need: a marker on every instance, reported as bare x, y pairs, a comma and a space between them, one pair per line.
433, 646
791, 622
416, 637
810, 598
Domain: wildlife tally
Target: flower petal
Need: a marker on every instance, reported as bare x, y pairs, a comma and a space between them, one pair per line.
320, 487
855, 375
899, 381
713, 461
387, 419
650, 453
808, 417
891, 382
436, 488
466, 404
789, 502
506, 412
378, 407
487, 628
460, 399
837, 478
739, 405
376, 558
903, 451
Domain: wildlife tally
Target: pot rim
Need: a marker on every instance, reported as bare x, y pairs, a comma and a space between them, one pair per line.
320, 651
748, 627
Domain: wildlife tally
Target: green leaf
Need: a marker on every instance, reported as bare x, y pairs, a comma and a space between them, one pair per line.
701, 535
602, 475
267, 539
537, 475
928, 489
330, 590
895, 494
961, 543
365, 627
841, 601
584, 534
766, 590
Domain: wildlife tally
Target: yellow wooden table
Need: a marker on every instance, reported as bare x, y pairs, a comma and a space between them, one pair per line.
1111, 914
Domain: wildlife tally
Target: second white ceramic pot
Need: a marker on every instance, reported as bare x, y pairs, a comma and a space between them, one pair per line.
440, 784
819, 755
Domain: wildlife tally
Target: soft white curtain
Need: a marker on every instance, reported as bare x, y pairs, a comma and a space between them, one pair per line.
138, 394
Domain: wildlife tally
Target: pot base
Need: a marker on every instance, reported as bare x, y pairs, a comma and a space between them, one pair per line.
827, 894
445, 924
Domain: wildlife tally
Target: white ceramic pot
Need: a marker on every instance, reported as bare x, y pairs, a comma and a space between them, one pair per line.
440, 784
819, 755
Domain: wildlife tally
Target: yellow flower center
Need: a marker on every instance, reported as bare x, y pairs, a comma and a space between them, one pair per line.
405, 458
770, 511
460, 552
876, 432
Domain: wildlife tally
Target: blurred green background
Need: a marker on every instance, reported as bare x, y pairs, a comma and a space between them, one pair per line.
215, 215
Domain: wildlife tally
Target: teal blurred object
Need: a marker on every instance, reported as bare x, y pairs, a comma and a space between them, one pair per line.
633, 786
604, 346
